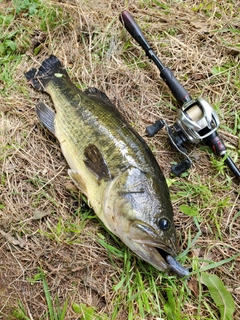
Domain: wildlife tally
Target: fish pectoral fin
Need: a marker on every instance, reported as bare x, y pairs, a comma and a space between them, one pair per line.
46, 115
96, 163
98, 95
77, 179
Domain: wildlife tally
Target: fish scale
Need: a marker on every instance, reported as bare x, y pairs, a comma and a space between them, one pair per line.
111, 164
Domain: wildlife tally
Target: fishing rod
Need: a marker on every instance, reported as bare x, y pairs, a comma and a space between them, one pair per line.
196, 119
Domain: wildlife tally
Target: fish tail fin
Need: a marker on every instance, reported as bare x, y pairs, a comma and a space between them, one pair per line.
39, 78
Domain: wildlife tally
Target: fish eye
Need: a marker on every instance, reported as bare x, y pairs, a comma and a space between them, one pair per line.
164, 224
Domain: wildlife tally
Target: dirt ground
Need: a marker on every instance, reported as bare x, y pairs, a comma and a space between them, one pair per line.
45, 223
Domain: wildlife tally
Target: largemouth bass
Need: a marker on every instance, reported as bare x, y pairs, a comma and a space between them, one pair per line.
111, 164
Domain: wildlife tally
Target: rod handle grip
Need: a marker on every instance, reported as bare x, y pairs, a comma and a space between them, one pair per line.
132, 27
178, 91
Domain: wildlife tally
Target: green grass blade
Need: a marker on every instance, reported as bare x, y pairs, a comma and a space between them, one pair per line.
49, 300
216, 264
222, 298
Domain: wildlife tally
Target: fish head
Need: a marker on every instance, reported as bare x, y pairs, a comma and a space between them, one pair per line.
139, 212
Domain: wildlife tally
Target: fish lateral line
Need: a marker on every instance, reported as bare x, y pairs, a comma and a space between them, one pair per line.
131, 192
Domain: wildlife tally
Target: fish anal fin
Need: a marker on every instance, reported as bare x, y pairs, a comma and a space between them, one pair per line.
96, 163
98, 95
46, 115
77, 179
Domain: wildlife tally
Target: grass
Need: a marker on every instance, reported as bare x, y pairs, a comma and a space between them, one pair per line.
55, 311
57, 260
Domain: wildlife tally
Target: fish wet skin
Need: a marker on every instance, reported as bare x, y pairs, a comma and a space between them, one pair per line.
110, 163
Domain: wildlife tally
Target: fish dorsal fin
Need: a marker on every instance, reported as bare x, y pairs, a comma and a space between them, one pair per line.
96, 163
46, 115
98, 95
77, 179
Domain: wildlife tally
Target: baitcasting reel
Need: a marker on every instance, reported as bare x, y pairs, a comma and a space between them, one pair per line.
192, 118
196, 119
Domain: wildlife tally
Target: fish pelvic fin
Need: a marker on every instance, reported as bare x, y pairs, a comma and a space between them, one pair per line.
46, 115
50, 67
77, 179
96, 163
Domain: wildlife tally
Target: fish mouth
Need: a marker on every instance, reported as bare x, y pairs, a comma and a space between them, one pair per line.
156, 250
162, 253
163, 258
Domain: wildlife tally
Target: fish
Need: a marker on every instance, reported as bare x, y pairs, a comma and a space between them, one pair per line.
111, 164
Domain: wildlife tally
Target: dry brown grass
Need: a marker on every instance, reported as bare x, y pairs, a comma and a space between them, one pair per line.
34, 173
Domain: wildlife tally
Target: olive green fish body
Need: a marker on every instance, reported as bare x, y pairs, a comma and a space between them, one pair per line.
110, 163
